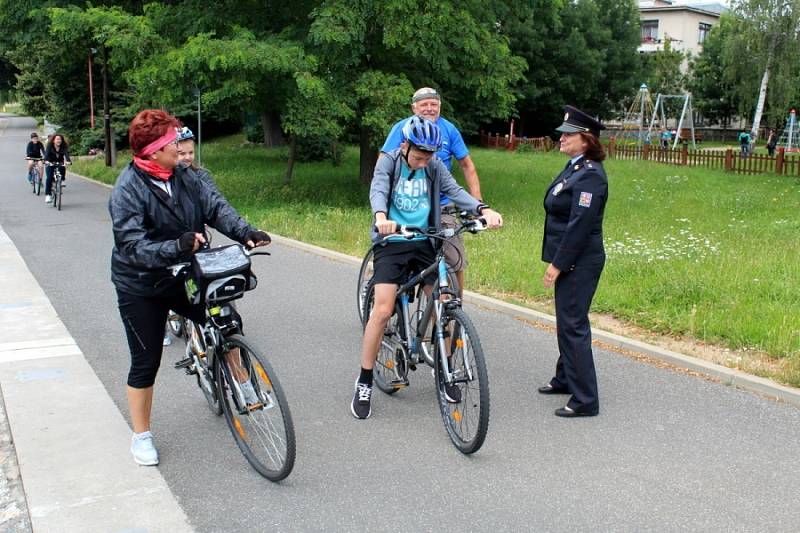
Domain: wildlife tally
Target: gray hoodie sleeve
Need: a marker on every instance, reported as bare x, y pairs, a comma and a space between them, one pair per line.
381, 183
452, 189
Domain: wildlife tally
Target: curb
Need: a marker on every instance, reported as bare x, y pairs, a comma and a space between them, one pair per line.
725, 375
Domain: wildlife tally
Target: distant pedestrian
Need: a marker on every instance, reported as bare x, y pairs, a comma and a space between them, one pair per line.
666, 137
744, 143
573, 248
772, 142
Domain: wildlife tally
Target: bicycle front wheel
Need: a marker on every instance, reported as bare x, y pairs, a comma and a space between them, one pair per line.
390, 371
364, 277
59, 196
260, 422
464, 403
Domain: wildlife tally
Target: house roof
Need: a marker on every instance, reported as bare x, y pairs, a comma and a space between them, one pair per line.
714, 9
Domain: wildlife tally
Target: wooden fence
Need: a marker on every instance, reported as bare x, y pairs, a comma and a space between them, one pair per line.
729, 160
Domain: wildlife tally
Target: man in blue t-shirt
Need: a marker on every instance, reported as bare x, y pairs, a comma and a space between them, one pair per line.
426, 103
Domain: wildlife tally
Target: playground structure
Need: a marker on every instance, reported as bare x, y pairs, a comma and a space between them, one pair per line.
634, 124
790, 138
685, 121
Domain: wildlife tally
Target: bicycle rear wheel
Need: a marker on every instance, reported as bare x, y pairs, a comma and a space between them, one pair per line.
263, 431
205, 376
391, 365
467, 421
364, 277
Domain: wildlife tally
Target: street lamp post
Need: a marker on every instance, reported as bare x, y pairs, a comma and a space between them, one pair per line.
91, 88
197, 95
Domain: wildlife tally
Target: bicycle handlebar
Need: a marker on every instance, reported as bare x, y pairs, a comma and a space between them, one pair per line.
473, 225
179, 268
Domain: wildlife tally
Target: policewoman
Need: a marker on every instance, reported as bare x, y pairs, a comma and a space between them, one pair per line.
573, 249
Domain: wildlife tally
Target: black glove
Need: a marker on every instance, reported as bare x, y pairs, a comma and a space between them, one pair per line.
186, 242
257, 236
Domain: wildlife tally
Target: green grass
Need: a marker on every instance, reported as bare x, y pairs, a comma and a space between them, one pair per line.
692, 252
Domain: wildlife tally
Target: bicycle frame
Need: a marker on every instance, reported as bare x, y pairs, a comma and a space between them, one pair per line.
434, 308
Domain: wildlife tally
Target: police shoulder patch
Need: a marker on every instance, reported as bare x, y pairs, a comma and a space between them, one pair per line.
585, 199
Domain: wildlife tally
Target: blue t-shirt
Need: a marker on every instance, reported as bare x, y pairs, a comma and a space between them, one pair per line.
411, 204
452, 144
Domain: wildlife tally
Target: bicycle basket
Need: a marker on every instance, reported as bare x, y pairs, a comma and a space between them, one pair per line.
220, 275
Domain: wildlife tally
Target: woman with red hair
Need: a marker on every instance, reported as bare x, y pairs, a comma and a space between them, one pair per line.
158, 212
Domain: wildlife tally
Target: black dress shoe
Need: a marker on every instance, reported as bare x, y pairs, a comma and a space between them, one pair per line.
568, 412
549, 389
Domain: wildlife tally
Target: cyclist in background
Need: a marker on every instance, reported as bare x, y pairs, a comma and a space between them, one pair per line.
57, 154
186, 155
405, 191
34, 150
426, 103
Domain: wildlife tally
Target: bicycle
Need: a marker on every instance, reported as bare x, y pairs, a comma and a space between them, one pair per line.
35, 175
439, 333
365, 275
235, 378
57, 187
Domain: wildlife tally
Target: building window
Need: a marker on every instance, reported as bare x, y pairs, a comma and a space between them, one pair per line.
649, 31
703, 32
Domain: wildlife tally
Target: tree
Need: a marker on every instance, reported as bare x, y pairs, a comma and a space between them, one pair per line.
394, 45
767, 38
581, 53
708, 83
661, 70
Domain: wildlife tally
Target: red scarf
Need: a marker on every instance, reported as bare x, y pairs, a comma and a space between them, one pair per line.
153, 168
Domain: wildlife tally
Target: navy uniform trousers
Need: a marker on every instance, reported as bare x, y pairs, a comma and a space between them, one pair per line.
574, 290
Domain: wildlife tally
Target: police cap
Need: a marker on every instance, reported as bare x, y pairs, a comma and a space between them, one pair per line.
576, 121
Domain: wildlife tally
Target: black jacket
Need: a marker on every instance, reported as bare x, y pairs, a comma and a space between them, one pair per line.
57, 157
574, 205
147, 223
35, 150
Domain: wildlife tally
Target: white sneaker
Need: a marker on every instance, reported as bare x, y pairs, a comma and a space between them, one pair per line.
143, 449
167, 340
249, 393
48, 199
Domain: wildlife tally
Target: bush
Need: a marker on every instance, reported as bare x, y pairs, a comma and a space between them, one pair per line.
253, 131
317, 149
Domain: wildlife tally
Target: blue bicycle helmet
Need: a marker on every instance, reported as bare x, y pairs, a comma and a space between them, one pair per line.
422, 134
185, 133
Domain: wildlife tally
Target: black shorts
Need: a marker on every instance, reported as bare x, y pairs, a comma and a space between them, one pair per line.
144, 319
397, 261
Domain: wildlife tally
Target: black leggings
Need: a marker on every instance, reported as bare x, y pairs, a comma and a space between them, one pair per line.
48, 183
144, 319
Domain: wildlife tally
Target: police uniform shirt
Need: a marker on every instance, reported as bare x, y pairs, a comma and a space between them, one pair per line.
574, 205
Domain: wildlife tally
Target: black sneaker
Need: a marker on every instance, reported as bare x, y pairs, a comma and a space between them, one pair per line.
361, 407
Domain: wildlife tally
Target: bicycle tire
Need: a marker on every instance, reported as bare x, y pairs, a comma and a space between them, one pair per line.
178, 327
210, 393
388, 370
60, 196
54, 191
270, 424
467, 430
37, 185
364, 277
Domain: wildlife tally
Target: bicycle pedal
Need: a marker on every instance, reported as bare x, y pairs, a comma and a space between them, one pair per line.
183, 363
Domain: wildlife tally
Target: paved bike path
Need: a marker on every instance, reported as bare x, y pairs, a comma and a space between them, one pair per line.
669, 452
70, 439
